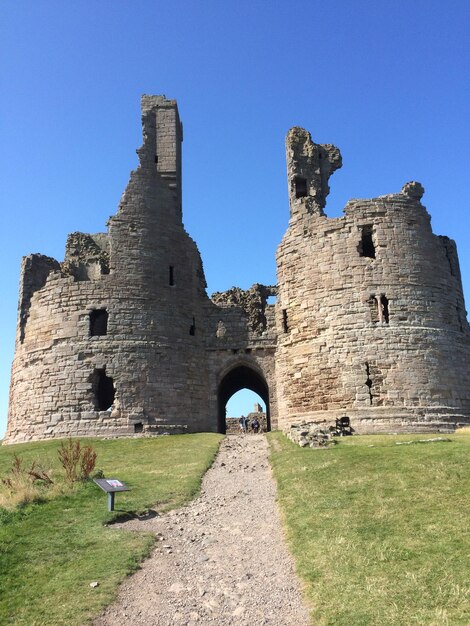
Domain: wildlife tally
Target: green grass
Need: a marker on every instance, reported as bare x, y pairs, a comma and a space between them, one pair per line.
379, 532
51, 551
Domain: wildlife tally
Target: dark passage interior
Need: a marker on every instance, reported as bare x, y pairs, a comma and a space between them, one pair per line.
300, 187
98, 322
103, 390
366, 245
240, 377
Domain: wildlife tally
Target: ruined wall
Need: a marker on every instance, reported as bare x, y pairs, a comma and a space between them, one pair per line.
371, 316
121, 338
241, 342
145, 276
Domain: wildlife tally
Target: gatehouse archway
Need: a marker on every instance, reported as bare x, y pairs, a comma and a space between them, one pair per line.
240, 377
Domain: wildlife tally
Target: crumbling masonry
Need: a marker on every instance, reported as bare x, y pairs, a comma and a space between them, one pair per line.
121, 337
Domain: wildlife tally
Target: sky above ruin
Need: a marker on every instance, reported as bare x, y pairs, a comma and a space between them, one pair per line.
388, 83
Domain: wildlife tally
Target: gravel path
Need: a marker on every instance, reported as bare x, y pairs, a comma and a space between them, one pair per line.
221, 559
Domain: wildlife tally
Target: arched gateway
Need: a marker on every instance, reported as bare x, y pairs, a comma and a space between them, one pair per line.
241, 376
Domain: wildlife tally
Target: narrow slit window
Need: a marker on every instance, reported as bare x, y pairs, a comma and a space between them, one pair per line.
383, 309
300, 187
98, 322
368, 383
171, 275
285, 325
192, 328
366, 245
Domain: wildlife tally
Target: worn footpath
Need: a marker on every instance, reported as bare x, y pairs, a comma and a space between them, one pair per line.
220, 560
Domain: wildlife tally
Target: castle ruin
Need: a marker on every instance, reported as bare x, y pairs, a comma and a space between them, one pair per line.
121, 337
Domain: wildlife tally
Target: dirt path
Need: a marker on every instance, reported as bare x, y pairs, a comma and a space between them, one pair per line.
221, 559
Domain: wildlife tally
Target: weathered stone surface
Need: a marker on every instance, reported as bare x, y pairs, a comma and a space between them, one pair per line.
253, 302
121, 337
311, 435
371, 316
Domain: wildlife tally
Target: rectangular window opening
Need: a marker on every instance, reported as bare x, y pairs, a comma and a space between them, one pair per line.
300, 187
366, 246
171, 275
98, 322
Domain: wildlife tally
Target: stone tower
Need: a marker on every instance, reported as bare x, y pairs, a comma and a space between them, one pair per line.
372, 320
121, 338
108, 341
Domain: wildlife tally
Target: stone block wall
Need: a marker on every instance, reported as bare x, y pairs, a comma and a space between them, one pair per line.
121, 338
371, 315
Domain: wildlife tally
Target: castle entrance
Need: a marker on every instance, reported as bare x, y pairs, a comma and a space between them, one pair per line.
240, 377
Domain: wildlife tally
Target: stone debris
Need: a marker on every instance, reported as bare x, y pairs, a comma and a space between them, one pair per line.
311, 435
232, 566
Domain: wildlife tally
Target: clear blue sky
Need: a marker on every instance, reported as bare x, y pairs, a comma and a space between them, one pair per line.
387, 82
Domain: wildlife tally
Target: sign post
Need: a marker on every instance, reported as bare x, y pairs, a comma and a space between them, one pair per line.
111, 486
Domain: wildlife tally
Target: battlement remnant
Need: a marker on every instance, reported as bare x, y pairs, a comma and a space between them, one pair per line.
309, 167
121, 338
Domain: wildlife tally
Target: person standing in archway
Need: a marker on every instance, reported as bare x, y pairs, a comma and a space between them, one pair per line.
243, 424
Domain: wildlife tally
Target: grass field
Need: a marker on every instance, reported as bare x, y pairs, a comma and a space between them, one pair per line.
50, 552
379, 531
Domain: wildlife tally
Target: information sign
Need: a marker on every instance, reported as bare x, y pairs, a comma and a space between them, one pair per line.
111, 486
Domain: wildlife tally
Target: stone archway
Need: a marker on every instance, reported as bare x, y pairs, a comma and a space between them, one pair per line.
240, 377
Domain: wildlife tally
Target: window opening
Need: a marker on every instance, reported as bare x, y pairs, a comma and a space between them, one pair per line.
103, 390
139, 427
383, 309
171, 275
366, 246
192, 328
378, 306
285, 326
369, 382
271, 300
98, 322
300, 187
156, 158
